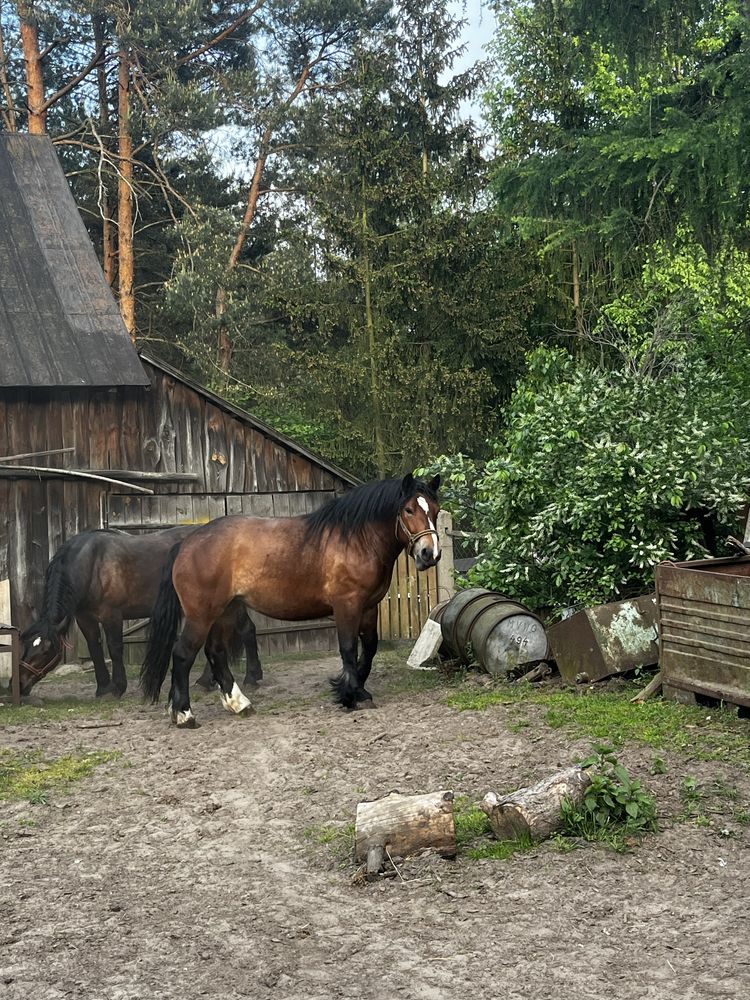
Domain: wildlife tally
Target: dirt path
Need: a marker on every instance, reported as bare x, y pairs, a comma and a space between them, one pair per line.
190, 867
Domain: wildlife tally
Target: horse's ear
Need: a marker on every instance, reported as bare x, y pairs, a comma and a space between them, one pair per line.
407, 484
434, 483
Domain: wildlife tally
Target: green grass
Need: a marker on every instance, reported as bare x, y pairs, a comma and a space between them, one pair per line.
338, 837
474, 835
703, 733
64, 708
32, 777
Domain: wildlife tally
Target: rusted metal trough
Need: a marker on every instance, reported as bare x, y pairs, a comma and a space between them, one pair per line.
609, 639
704, 630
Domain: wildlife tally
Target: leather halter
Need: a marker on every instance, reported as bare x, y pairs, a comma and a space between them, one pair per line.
411, 538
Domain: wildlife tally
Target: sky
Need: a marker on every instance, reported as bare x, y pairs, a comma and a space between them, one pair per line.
478, 30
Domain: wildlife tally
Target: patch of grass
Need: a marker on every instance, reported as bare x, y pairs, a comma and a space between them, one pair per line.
500, 850
338, 837
470, 821
474, 834
64, 708
714, 734
31, 777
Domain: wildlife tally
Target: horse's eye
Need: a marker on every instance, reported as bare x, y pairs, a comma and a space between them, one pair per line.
409, 510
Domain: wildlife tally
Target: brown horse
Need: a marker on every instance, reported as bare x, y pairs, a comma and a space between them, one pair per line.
102, 577
337, 560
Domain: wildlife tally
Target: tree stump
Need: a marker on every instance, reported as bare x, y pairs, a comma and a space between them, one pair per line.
404, 824
535, 811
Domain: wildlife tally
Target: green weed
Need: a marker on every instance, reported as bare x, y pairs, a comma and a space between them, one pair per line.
615, 807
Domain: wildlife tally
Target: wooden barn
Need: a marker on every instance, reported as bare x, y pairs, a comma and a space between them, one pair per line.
114, 439
71, 379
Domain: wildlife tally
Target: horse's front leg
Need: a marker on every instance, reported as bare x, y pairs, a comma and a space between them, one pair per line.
347, 687
90, 628
232, 696
113, 632
368, 632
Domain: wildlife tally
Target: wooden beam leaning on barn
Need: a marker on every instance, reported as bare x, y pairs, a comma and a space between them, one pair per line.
73, 473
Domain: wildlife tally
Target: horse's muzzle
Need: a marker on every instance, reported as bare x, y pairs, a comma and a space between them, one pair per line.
426, 558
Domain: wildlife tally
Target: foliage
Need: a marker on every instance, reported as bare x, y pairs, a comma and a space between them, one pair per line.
474, 835
614, 805
599, 475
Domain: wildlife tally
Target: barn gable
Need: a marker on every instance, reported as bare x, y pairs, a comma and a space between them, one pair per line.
59, 324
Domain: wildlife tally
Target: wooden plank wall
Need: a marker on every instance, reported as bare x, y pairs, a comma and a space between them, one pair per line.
407, 605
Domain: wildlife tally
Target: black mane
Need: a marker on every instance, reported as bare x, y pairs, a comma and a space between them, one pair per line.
59, 601
373, 502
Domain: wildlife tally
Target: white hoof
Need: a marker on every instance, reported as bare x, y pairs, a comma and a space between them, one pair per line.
236, 702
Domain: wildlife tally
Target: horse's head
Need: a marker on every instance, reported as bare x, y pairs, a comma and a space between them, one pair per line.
42, 651
417, 517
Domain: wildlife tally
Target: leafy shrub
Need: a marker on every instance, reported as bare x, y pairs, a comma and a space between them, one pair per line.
614, 807
599, 475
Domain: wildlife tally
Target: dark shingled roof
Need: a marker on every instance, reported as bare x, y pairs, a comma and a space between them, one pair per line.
59, 324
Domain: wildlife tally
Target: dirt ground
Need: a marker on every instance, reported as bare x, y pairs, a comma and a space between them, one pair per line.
194, 865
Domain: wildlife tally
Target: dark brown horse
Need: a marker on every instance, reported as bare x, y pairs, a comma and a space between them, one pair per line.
337, 560
105, 576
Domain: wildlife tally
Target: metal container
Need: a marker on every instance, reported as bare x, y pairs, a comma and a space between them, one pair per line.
607, 639
704, 627
502, 634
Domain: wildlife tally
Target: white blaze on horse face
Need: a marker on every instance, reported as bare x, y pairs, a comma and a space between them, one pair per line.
37, 641
236, 702
426, 508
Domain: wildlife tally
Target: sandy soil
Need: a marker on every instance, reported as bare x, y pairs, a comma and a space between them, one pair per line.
191, 866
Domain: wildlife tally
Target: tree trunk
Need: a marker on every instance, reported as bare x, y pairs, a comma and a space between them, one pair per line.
402, 825
372, 345
10, 121
224, 340
125, 214
33, 62
578, 308
535, 811
105, 208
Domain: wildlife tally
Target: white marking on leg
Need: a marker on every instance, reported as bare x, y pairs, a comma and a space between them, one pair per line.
426, 508
235, 702
181, 718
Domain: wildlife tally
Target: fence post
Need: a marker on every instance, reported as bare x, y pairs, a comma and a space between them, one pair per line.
446, 582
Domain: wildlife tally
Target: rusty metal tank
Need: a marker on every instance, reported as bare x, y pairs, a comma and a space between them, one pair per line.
502, 634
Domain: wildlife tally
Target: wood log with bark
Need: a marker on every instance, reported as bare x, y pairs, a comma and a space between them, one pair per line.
535, 811
400, 825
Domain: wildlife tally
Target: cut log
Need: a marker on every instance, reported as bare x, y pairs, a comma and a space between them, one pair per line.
429, 642
535, 811
405, 824
653, 687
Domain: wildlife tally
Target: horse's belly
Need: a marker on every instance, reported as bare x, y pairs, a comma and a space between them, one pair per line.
287, 608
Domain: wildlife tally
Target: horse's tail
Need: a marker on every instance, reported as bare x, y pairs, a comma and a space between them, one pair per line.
242, 627
165, 620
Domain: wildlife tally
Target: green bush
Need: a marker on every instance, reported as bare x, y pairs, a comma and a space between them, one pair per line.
599, 475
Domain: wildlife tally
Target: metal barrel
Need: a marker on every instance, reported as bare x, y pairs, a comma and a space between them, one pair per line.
502, 633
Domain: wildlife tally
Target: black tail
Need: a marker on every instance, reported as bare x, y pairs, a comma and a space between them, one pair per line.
165, 620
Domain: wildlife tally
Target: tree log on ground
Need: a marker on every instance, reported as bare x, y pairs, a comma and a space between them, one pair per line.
535, 811
401, 825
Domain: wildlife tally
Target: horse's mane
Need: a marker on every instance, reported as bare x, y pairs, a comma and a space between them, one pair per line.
350, 513
59, 600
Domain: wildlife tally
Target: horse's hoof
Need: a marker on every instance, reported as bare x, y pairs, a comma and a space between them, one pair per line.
118, 692
106, 692
362, 706
236, 702
183, 720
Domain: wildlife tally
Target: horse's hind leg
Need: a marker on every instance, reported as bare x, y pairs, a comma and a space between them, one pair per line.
115, 645
183, 656
232, 697
253, 669
90, 628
